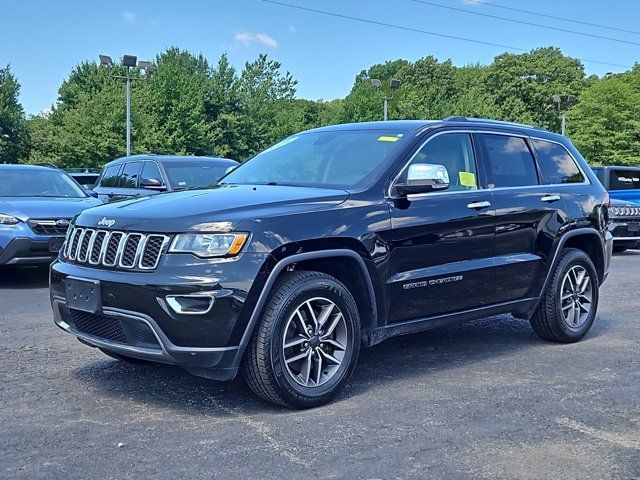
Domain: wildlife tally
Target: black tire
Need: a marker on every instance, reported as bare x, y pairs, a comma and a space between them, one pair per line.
264, 368
619, 249
548, 320
122, 358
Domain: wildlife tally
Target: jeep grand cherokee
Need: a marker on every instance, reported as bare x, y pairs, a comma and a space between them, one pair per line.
338, 238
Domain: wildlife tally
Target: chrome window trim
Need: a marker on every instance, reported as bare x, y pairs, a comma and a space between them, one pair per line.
419, 196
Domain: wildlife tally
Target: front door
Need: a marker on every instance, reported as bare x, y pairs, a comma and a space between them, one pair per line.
441, 243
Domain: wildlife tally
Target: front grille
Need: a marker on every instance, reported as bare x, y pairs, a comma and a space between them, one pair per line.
57, 226
123, 331
114, 249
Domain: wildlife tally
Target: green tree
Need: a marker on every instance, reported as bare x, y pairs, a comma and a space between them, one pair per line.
605, 124
521, 85
13, 129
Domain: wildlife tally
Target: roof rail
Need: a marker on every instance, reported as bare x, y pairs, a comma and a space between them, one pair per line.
47, 164
456, 118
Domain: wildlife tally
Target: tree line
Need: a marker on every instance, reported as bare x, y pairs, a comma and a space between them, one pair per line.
186, 105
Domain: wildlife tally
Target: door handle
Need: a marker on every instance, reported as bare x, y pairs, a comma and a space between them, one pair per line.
550, 198
479, 205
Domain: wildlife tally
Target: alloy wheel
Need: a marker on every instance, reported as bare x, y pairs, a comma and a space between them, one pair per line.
315, 342
576, 296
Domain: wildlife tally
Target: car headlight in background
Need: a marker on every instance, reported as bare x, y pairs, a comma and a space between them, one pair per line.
207, 245
8, 219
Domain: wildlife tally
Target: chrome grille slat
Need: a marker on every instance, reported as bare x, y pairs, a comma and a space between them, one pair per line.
114, 248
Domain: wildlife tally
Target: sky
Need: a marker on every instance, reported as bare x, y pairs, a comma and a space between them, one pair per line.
43, 40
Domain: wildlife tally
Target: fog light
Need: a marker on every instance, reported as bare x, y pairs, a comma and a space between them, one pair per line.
191, 304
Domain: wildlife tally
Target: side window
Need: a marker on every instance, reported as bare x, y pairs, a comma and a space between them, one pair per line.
150, 170
454, 151
110, 176
509, 161
559, 166
129, 176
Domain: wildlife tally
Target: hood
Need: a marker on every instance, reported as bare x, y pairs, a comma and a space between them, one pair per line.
39, 207
224, 206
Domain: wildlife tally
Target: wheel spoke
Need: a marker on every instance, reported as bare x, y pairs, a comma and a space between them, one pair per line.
584, 284
295, 342
303, 325
306, 369
336, 344
324, 314
330, 357
313, 315
332, 326
318, 369
300, 356
576, 315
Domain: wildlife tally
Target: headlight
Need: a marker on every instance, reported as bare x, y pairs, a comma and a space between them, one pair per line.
8, 220
209, 244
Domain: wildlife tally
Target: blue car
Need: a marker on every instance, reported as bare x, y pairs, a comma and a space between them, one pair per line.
36, 206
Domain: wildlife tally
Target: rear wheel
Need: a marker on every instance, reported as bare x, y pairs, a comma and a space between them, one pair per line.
307, 342
570, 301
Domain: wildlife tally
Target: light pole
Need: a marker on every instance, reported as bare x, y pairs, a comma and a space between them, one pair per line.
129, 61
571, 101
394, 85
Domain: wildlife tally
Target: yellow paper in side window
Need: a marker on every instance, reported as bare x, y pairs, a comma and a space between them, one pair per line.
467, 179
385, 138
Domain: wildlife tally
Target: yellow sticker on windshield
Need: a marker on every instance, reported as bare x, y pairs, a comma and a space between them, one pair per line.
467, 179
385, 138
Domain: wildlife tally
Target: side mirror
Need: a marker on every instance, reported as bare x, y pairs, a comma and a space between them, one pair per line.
152, 184
424, 178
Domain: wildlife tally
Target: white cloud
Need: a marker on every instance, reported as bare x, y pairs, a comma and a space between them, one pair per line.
128, 17
246, 39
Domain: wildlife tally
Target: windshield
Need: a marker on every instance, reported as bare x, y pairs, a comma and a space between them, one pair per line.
37, 183
194, 173
339, 158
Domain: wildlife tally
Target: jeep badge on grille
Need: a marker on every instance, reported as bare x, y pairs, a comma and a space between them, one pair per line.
106, 222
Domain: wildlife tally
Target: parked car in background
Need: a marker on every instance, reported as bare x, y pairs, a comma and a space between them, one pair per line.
86, 177
338, 238
620, 181
142, 175
36, 205
625, 226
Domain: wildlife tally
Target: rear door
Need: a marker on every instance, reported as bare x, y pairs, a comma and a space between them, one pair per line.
528, 215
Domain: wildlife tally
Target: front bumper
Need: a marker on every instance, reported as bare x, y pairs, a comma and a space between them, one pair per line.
626, 232
30, 251
135, 318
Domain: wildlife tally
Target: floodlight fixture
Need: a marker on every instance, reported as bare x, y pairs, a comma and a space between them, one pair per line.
106, 60
395, 84
129, 60
376, 82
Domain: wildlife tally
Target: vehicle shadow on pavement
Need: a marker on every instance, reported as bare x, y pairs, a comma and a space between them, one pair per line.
398, 358
24, 277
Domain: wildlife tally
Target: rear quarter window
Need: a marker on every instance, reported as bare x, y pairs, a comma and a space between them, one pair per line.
557, 163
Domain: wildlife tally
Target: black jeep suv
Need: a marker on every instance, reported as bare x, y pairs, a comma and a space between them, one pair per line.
338, 238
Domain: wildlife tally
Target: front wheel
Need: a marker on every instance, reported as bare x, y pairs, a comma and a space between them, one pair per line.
569, 303
307, 342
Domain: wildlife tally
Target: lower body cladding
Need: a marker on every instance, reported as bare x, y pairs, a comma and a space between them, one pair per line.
188, 315
30, 251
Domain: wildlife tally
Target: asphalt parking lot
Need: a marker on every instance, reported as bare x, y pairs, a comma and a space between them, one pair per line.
486, 399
